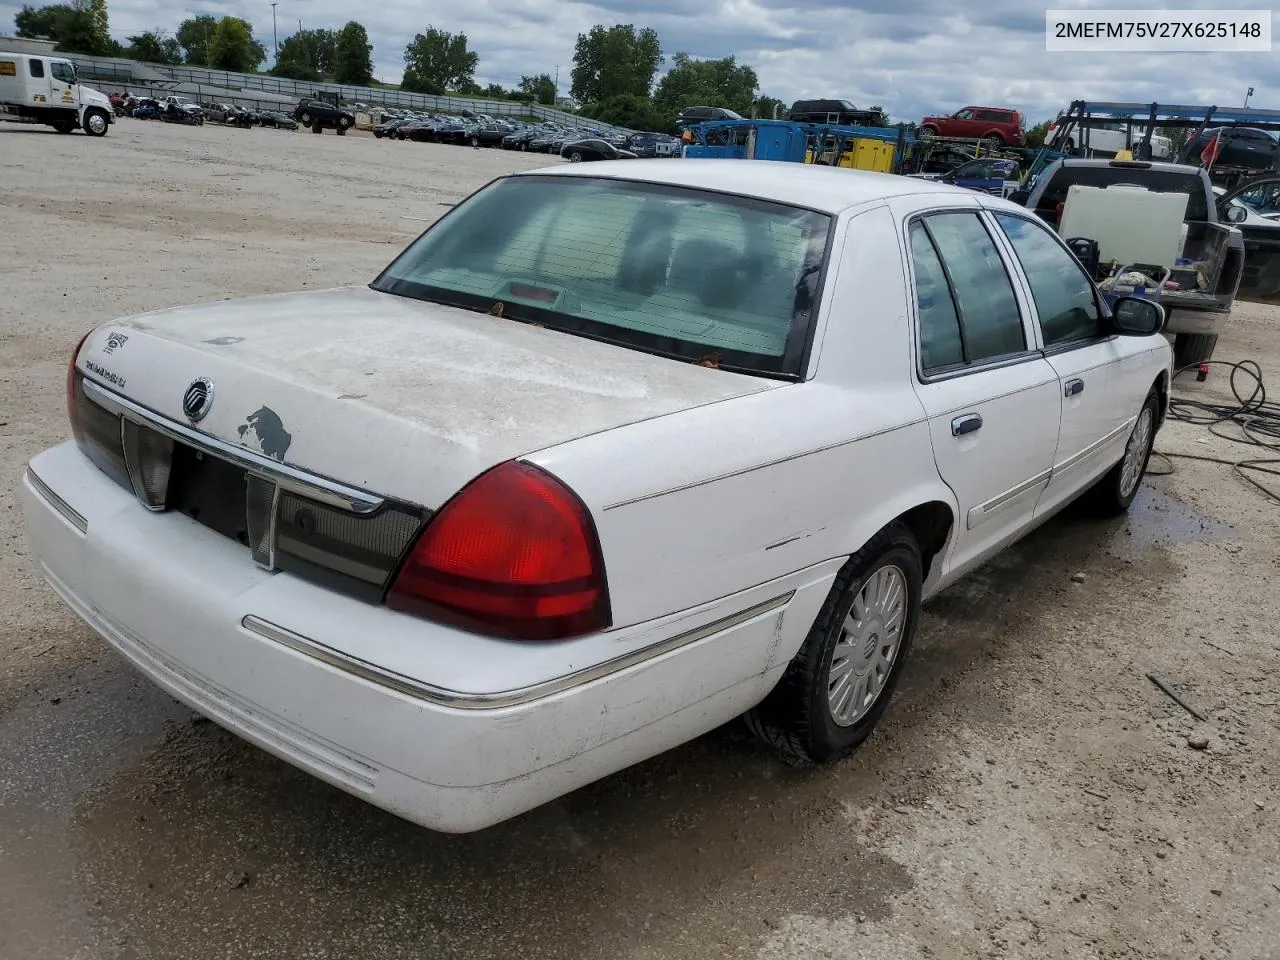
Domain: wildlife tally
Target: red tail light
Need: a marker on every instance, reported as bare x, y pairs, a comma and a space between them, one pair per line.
73, 408
514, 554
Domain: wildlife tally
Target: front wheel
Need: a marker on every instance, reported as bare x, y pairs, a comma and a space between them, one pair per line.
575, 157
1112, 494
315, 128
837, 687
992, 144
95, 123
342, 130
305, 119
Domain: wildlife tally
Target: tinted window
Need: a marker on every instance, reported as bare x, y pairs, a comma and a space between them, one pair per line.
995, 116
37, 67
989, 320
940, 344
1062, 293
63, 72
674, 271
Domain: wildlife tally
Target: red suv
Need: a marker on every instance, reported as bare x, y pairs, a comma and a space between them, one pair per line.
997, 126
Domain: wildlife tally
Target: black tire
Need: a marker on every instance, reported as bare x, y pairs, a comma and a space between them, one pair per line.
64, 126
575, 157
992, 143
1114, 492
1189, 348
96, 123
305, 119
315, 128
343, 124
796, 718
341, 131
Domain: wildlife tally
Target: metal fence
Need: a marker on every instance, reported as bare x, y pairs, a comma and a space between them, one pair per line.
129, 72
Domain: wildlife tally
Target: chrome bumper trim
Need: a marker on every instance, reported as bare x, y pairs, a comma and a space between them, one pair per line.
61, 506
430, 693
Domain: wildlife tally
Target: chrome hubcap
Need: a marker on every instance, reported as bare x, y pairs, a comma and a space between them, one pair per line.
863, 657
96, 123
1135, 454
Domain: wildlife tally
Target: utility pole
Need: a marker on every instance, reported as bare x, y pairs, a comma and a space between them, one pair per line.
557, 96
275, 37
1247, 96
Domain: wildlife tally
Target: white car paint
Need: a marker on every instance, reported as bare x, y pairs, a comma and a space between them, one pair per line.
48, 98
725, 504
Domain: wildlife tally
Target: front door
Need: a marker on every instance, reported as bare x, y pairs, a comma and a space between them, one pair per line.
992, 400
1086, 357
62, 84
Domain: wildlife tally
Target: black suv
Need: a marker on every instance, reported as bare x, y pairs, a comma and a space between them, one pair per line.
833, 111
319, 114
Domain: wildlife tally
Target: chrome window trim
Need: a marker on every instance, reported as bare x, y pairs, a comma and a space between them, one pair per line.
319, 488
442, 696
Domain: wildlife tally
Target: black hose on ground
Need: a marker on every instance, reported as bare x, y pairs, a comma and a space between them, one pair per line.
1252, 420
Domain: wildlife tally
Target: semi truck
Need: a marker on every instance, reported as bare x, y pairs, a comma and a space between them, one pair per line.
43, 89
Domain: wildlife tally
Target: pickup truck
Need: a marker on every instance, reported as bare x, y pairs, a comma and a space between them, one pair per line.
316, 115
1196, 314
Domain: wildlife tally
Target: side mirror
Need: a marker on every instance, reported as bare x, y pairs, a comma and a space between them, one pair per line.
1236, 213
1137, 317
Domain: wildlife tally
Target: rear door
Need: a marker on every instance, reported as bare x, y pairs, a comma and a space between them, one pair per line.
992, 400
1092, 365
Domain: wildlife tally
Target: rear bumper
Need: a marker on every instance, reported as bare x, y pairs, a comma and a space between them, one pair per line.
353, 693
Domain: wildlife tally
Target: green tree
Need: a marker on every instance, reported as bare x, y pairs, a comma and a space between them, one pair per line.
353, 56
312, 50
97, 10
232, 46
153, 46
541, 89
494, 91
293, 70
715, 83
74, 27
610, 61
1035, 136
629, 110
763, 107
194, 35
437, 60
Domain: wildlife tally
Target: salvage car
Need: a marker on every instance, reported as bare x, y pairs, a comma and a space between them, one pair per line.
597, 464
593, 149
1244, 147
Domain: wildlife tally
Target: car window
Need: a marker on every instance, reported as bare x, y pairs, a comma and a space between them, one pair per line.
63, 71
963, 114
1063, 295
990, 323
940, 345
37, 67
681, 272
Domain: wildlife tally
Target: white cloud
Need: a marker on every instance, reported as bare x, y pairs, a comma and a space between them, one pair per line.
912, 56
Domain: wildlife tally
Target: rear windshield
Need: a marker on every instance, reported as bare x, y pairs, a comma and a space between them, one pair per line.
690, 274
1158, 181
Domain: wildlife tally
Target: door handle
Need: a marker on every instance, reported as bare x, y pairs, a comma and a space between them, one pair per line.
968, 423
1074, 387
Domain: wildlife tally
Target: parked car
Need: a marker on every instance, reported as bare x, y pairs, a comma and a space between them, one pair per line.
987, 173
390, 127
1259, 224
487, 135
450, 131
467, 595
518, 140
651, 145
1196, 316
937, 158
593, 149
319, 115
277, 120
1243, 147
996, 126
225, 113
181, 110
543, 142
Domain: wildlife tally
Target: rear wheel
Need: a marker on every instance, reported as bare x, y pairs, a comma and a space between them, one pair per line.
1192, 348
992, 143
315, 128
342, 130
305, 119
838, 685
1113, 493
575, 157
926, 133
64, 126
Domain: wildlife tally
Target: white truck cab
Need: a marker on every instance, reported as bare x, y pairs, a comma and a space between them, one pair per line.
41, 89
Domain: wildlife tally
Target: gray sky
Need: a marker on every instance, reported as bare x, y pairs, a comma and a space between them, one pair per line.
912, 56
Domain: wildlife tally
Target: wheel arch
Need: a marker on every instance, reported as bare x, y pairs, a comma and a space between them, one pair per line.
1161, 387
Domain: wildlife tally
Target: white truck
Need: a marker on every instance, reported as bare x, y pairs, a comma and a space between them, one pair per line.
43, 89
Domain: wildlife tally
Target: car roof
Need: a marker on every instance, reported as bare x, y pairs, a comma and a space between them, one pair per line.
828, 189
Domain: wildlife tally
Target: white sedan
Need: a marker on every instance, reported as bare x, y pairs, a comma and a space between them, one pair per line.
600, 462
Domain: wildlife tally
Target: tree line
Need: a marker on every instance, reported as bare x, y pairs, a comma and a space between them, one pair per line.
613, 75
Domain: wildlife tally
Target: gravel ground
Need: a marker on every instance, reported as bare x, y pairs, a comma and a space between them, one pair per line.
1030, 794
